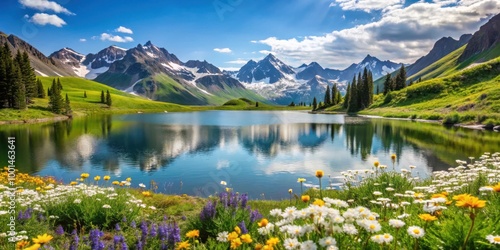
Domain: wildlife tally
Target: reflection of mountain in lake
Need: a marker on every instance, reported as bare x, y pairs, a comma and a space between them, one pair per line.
108, 143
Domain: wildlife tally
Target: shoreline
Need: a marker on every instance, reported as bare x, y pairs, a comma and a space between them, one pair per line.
459, 125
36, 120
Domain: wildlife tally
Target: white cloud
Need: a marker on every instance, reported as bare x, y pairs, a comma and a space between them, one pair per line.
223, 50
366, 5
401, 34
118, 39
238, 61
44, 5
83, 40
124, 30
44, 19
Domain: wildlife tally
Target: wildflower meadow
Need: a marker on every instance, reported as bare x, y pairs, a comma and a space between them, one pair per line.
376, 208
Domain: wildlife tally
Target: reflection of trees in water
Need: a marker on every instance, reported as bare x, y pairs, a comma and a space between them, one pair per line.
105, 142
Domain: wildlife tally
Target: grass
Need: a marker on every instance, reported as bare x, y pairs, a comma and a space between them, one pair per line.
75, 87
468, 96
367, 208
246, 104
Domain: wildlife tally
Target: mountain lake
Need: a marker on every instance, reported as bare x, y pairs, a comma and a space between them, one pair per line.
261, 153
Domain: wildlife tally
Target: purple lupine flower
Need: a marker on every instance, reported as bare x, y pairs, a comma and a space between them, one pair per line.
117, 239
132, 224
174, 234
162, 231
124, 244
117, 227
20, 215
139, 245
154, 230
243, 227
244, 200
124, 219
208, 211
223, 199
165, 218
95, 242
255, 215
144, 228
59, 230
74, 244
234, 200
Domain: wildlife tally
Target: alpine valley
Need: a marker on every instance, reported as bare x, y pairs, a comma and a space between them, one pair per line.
155, 73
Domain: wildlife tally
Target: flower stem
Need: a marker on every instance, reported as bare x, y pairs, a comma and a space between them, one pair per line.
473, 218
320, 194
416, 244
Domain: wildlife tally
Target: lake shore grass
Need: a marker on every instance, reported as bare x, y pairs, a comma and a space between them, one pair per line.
377, 208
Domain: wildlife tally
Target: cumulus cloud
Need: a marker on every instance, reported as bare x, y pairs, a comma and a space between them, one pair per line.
125, 30
45, 5
401, 34
44, 19
83, 40
223, 50
366, 5
118, 39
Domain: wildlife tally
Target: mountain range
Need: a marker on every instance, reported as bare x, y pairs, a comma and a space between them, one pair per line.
155, 73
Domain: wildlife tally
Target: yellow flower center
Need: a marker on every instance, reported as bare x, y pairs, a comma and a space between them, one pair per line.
416, 231
496, 239
372, 226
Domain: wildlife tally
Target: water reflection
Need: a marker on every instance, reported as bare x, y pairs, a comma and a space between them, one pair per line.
285, 146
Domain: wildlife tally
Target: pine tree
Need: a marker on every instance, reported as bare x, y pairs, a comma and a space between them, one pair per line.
40, 90
84, 94
59, 85
353, 96
370, 89
108, 98
339, 97
18, 90
256, 104
334, 94
67, 106
103, 100
56, 102
49, 92
314, 104
347, 97
401, 78
3, 74
327, 100
28, 77
387, 84
363, 94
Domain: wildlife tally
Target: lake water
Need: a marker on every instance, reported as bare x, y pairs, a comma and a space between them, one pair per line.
259, 153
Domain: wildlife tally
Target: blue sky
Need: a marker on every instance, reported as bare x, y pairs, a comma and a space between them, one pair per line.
228, 33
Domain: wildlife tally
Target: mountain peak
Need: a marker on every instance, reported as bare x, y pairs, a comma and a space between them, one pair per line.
369, 58
148, 43
270, 56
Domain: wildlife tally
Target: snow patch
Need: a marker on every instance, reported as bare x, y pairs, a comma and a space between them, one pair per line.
94, 73
40, 73
116, 47
131, 88
81, 70
386, 69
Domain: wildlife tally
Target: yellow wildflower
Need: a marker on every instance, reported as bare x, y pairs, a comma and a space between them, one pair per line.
33, 247
319, 173
146, 194
42, 239
193, 234
319, 202
427, 217
305, 198
107, 177
84, 175
97, 178
237, 230
183, 245
246, 238
263, 222
235, 243
273, 241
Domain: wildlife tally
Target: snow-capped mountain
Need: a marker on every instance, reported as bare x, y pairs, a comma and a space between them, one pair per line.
283, 84
91, 65
155, 73
270, 69
377, 67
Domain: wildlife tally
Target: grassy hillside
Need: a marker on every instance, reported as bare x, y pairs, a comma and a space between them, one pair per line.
171, 91
470, 95
75, 87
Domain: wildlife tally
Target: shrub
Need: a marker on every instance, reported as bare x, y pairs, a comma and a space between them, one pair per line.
451, 119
